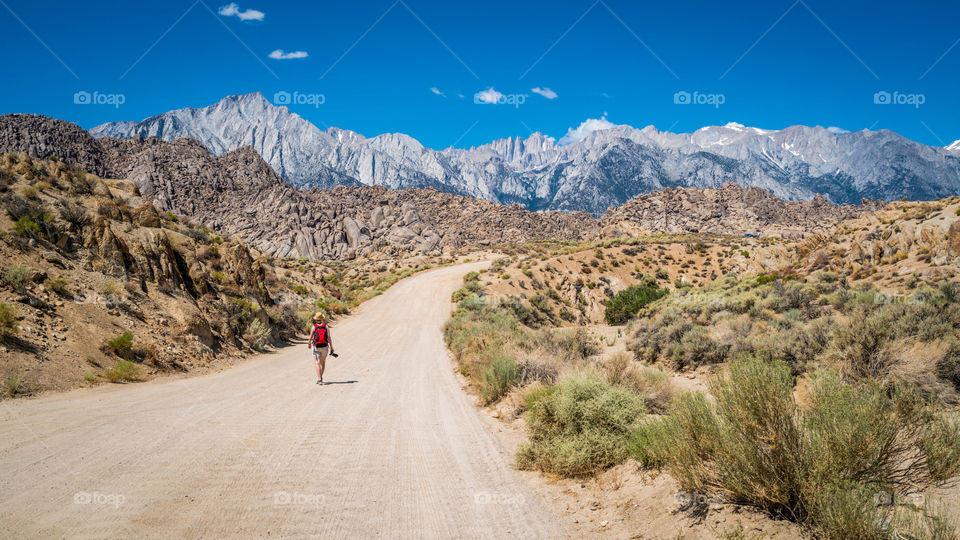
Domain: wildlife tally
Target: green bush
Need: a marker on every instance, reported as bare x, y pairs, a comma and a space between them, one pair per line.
8, 321
821, 466
123, 370
57, 284
579, 428
256, 333
628, 302
122, 344
479, 333
459, 294
13, 385
26, 227
497, 378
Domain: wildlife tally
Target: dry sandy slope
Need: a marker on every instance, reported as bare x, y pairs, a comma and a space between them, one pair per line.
392, 447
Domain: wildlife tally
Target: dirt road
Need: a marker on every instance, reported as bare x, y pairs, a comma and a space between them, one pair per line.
391, 447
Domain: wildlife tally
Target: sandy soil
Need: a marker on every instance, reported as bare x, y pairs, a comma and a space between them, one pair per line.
391, 446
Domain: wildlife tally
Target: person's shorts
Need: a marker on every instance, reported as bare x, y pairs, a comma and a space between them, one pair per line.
320, 353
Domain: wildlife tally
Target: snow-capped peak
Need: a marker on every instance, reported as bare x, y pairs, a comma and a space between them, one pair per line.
954, 146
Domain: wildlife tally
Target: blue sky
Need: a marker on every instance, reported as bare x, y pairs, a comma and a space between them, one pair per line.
374, 62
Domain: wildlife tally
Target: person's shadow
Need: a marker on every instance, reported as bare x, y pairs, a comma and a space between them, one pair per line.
325, 383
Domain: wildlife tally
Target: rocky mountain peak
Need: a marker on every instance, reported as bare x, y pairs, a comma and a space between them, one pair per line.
600, 164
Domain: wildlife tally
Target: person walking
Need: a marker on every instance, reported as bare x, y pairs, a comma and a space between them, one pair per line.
320, 344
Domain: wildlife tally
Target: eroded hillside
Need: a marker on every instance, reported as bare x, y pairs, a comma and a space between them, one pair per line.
97, 285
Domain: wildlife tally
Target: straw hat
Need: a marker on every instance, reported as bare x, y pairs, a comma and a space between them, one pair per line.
318, 317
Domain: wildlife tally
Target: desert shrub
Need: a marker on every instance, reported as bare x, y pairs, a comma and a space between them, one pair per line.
798, 346
57, 284
628, 302
497, 378
473, 286
459, 295
17, 277
478, 333
653, 339
533, 318
534, 369
30, 217
821, 466
123, 371
697, 348
579, 428
8, 321
860, 346
121, 345
569, 346
651, 384
26, 227
12, 385
256, 333
198, 235
74, 215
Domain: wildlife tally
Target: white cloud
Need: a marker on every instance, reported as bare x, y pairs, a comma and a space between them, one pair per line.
460, 95
545, 92
233, 10
585, 129
487, 96
836, 130
437, 91
280, 55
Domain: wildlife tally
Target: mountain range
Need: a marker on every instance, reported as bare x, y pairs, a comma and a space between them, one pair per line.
604, 165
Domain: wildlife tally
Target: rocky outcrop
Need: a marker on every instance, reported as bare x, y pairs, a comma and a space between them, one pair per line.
731, 209
239, 194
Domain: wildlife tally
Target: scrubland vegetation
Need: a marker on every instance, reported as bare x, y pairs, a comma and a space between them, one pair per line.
830, 406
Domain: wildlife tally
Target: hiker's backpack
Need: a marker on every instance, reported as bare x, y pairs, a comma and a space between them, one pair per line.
318, 337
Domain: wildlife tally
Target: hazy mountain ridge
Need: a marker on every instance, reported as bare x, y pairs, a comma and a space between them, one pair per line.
605, 168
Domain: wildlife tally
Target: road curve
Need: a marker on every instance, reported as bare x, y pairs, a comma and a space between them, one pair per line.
392, 447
